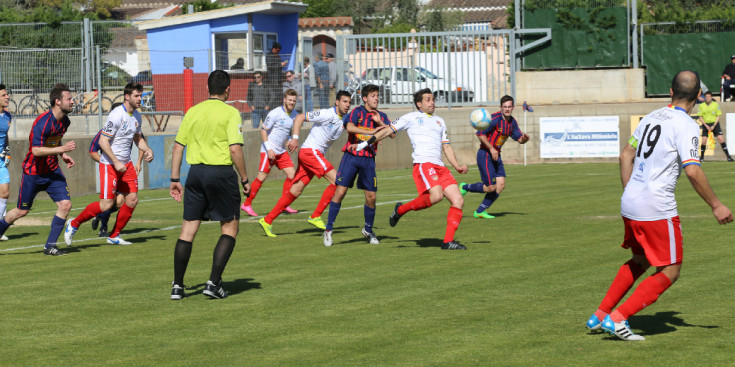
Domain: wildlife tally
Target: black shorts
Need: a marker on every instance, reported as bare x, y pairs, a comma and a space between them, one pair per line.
211, 193
716, 131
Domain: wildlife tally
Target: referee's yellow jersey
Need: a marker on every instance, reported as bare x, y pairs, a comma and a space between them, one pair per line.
208, 130
709, 112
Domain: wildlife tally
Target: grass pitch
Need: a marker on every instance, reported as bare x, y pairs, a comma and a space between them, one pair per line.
519, 296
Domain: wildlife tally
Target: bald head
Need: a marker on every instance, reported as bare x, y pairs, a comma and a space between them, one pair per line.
685, 86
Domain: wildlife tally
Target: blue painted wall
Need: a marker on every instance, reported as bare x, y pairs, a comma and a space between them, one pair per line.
159, 170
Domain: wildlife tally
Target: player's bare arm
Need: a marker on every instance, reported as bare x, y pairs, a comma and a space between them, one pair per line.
627, 156
106, 148
143, 145
297, 122
95, 156
47, 151
264, 135
238, 159
701, 185
524, 139
452, 158
68, 160
176, 155
485, 143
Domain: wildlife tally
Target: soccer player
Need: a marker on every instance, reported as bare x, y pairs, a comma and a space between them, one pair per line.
709, 118
41, 171
5, 119
117, 172
492, 171
212, 133
275, 132
327, 127
361, 124
428, 134
664, 141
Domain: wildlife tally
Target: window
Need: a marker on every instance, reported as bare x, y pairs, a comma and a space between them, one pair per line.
232, 46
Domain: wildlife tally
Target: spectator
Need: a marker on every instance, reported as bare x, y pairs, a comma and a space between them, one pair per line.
259, 99
310, 78
293, 83
729, 80
321, 70
332, 74
239, 65
274, 65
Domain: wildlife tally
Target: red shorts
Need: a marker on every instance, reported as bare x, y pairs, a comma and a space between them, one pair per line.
311, 163
112, 181
428, 175
660, 241
282, 161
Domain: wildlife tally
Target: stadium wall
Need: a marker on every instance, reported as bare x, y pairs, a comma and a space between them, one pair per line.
581, 86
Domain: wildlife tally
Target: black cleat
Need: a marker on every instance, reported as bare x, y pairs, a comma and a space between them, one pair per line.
103, 232
177, 291
453, 245
214, 291
729, 159
53, 251
395, 216
95, 223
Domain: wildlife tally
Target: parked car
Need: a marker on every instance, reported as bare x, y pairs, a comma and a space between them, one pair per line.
113, 76
403, 81
144, 78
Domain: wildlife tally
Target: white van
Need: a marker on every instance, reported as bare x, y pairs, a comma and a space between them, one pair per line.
403, 81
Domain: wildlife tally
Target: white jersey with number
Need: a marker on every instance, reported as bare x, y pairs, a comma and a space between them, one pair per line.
278, 125
326, 129
427, 133
121, 128
666, 140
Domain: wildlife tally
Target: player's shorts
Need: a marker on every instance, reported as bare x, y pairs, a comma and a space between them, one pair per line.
660, 241
282, 161
311, 163
716, 131
53, 183
362, 168
112, 181
489, 169
4, 173
428, 175
211, 193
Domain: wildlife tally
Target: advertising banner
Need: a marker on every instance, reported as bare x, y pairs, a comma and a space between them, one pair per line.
580, 137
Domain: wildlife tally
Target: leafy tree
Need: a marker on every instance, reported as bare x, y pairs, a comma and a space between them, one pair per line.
441, 19
200, 5
326, 8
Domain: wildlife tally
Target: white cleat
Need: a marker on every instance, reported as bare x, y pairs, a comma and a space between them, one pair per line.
620, 329
4, 238
371, 236
327, 237
69, 231
117, 241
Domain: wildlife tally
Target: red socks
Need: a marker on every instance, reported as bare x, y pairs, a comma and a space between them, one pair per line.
453, 218
627, 275
324, 202
421, 202
123, 216
286, 185
282, 203
88, 213
253, 191
644, 295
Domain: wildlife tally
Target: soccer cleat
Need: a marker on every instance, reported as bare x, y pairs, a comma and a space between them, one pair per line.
453, 245
371, 236
317, 222
69, 231
177, 291
327, 238
290, 210
103, 232
393, 220
248, 209
95, 223
4, 238
117, 241
620, 329
729, 159
266, 227
461, 188
593, 323
214, 291
483, 215
53, 251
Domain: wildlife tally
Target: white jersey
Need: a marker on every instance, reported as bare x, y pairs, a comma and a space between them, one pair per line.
326, 129
121, 127
666, 140
278, 125
427, 133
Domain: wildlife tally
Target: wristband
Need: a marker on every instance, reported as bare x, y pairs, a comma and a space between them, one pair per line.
245, 183
266, 145
371, 140
175, 179
295, 137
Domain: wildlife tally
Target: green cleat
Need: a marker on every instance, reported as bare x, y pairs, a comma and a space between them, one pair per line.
483, 215
317, 222
461, 189
266, 227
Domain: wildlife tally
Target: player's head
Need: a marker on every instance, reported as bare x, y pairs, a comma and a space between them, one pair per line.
219, 83
506, 105
424, 100
708, 97
115, 105
60, 97
370, 96
4, 97
342, 102
289, 99
685, 87
132, 94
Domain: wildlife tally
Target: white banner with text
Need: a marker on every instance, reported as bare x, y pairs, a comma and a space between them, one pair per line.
580, 137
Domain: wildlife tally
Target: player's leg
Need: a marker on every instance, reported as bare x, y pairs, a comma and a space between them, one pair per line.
496, 178
182, 253
58, 190
484, 165
423, 178
368, 182
108, 181
301, 179
290, 172
346, 178
703, 142
454, 217
721, 139
29, 187
219, 196
263, 170
315, 218
4, 193
127, 185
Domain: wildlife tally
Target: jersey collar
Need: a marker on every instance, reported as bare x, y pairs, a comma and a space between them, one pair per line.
677, 108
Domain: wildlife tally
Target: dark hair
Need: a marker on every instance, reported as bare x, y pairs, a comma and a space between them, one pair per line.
276, 45
130, 87
707, 93
290, 71
115, 105
2, 86
306, 60
218, 82
366, 90
342, 93
419, 96
290, 92
685, 86
506, 98
56, 93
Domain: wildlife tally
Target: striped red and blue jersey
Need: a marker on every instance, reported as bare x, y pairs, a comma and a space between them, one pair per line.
45, 132
499, 131
362, 118
94, 147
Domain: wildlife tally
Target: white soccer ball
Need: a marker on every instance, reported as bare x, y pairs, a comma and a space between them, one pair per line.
480, 119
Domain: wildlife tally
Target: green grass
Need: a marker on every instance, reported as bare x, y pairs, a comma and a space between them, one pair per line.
519, 296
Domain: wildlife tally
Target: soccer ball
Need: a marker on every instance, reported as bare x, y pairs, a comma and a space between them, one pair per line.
480, 119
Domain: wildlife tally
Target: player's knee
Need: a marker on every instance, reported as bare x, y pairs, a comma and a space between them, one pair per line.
131, 201
499, 187
65, 206
436, 197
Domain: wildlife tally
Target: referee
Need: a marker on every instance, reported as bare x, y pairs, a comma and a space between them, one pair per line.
211, 131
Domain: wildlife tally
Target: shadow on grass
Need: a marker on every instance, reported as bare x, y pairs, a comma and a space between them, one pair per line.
232, 287
429, 242
502, 214
661, 323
